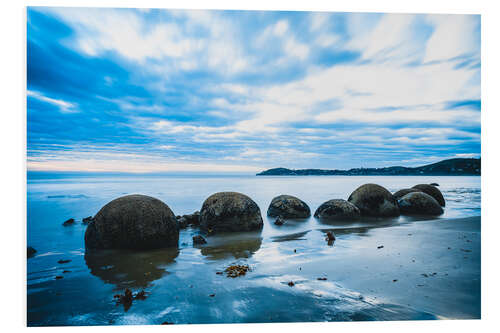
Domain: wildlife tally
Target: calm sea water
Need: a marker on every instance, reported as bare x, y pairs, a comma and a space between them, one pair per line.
179, 281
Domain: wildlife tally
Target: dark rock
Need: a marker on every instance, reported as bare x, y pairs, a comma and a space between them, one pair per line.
141, 295
193, 219
64, 261
133, 222
291, 284
59, 277
419, 203
330, 236
198, 240
87, 220
279, 221
69, 222
433, 191
189, 219
230, 211
66, 271
337, 209
288, 207
401, 193
31, 251
434, 184
374, 200
125, 299
167, 323
183, 223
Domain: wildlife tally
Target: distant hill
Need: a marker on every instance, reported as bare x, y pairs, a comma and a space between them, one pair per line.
451, 167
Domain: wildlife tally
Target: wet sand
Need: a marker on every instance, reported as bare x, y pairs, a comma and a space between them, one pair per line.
378, 270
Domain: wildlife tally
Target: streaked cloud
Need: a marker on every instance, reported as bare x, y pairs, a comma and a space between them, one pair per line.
169, 90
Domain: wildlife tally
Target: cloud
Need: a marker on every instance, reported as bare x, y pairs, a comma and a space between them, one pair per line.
167, 90
64, 107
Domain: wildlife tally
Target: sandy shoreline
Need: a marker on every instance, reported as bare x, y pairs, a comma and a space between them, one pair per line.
430, 266
404, 271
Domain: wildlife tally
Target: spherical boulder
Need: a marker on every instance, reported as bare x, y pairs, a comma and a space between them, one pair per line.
433, 191
374, 200
337, 209
419, 203
230, 211
133, 222
288, 206
401, 193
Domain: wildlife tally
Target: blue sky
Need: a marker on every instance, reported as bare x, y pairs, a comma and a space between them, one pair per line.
124, 90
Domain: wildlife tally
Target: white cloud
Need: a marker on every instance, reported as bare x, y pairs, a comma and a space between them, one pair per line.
454, 36
64, 107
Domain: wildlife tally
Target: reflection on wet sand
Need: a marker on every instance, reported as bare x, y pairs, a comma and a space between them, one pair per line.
129, 269
237, 245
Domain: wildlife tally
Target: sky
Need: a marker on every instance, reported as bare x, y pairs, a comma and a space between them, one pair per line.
155, 90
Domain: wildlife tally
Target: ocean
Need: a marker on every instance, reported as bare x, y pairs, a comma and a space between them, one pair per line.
179, 282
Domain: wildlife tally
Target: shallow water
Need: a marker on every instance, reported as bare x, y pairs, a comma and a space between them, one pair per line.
179, 281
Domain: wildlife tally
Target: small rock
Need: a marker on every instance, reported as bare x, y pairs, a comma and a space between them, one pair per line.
64, 261
279, 221
291, 284
87, 220
141, 295
69, 222
198, 240
183, 223
219, 273
167, 323
59, 277
330, 236
125, 299
31, 251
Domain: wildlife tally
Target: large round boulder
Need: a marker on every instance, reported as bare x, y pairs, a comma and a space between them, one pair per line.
433, 191
133, 222
374, 200
401, 193
419, 203
337, 209
288, 207
230, 211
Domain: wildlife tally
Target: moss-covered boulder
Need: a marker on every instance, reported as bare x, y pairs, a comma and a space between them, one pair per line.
133, 222
230, 211
401, 193
374, 200
288, 207
337, 209
419, 203
433, 191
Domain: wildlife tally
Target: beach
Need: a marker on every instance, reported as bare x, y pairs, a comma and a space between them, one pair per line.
405, 268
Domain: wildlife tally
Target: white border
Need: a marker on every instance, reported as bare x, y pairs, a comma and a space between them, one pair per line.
13, 135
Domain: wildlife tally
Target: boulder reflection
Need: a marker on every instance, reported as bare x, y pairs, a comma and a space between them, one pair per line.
130, 269
237, 245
